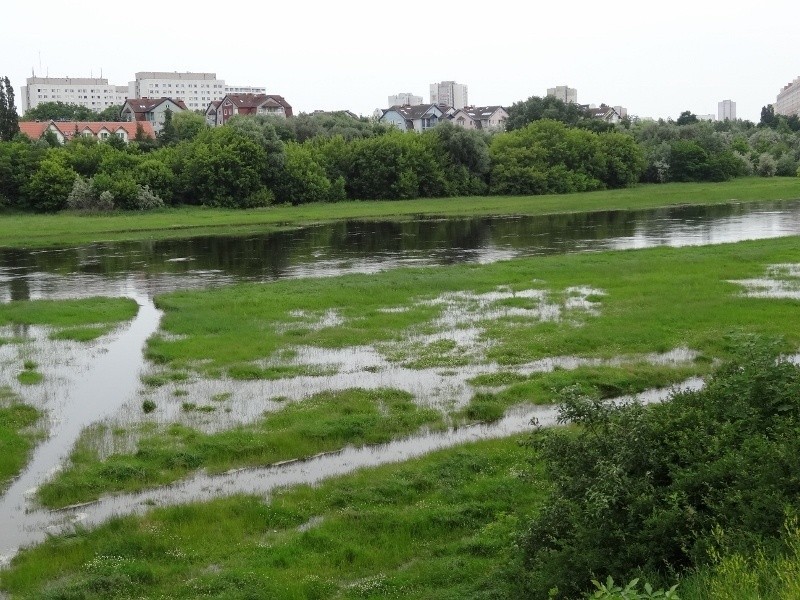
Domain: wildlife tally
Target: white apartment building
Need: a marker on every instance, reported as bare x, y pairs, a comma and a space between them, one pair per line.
788, 102
404, 99
93, 93
195, 89
243, 89
449, 93
726, 110
564, 93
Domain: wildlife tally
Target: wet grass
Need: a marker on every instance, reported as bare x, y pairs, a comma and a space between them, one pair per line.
29, 377
439, 527
655, 300
321, 423
17, 434
81, 334
546, 388
18, 230
69, 318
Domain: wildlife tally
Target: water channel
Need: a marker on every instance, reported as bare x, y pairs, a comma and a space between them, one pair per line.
86, 383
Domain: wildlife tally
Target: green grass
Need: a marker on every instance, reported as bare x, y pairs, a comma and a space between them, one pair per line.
545, 388
17, 436
81, 334
655, 300
439, 527
26, 230
323, 422
67, 315
28, 377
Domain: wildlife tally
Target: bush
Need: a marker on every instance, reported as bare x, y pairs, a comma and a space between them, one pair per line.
641, 489
767, 166
146, 199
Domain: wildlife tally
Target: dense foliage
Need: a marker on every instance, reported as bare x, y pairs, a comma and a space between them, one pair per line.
62, 111
550, 147
651, 489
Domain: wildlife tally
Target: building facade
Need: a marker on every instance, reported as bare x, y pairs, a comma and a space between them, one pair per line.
195, 89
405, 99
449, 93
788, 102
726, 110
93, 93
102, 130
150, 110
218, 112
564, 93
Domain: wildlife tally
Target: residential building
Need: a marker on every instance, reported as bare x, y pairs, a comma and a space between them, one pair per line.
726, 110
195, 89
487, 118
102, 130
244, 89
463, 119
416, 118
788, 102
246, 104
405, 99
90, 92
150, 110
564, 93
609, 114
449, 93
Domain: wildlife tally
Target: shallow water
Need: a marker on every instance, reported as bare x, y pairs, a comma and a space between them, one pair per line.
151, 267
90, 383
34, 526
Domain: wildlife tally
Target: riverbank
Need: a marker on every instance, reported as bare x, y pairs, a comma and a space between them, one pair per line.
30, 230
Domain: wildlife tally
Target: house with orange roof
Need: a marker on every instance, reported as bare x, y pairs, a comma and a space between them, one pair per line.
150, 110
101, 130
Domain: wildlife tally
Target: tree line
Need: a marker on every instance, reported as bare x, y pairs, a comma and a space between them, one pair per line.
549, 147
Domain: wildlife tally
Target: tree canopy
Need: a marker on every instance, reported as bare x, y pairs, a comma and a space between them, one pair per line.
9, 119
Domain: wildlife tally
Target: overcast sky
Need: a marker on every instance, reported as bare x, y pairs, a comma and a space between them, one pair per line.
656, 59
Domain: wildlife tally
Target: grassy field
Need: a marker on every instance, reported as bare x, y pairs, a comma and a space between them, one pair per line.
81, 320
437, 527
27, 230
17, 434
617, 307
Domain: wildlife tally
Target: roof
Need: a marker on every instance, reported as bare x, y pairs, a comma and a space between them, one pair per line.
412, 113
36, 129
256, 100
481, 112
145, 105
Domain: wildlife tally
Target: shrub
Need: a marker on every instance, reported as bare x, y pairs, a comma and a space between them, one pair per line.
642, 488
767, 166
146, 199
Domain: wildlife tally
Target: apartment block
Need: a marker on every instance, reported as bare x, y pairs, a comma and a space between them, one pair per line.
404, 99
726, 110
788, 102
195, 89
93, 93
564, 93
449, 93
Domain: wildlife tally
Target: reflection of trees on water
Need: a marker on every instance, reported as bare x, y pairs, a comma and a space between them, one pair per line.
158, 265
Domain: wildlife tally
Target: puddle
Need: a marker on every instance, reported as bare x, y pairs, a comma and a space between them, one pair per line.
32, 527
779, 282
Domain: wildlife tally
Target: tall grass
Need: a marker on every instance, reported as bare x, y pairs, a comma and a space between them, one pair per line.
436, 527
17, 434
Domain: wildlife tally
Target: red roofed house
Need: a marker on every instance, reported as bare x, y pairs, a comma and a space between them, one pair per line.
248, 104
102, 130
150, 110
211, 112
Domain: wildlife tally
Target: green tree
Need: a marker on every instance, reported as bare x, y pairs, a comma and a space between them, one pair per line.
188, 125
687, 117
168, 134
9, 119
60, 111
110, 113
50, 186
521, 114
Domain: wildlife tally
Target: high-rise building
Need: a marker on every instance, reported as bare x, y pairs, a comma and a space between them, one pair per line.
449, 93
788, 102
197, 90
726, 110
405, 99
564, 93
91, 92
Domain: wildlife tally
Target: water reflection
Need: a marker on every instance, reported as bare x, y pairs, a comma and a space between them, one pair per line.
152, 267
